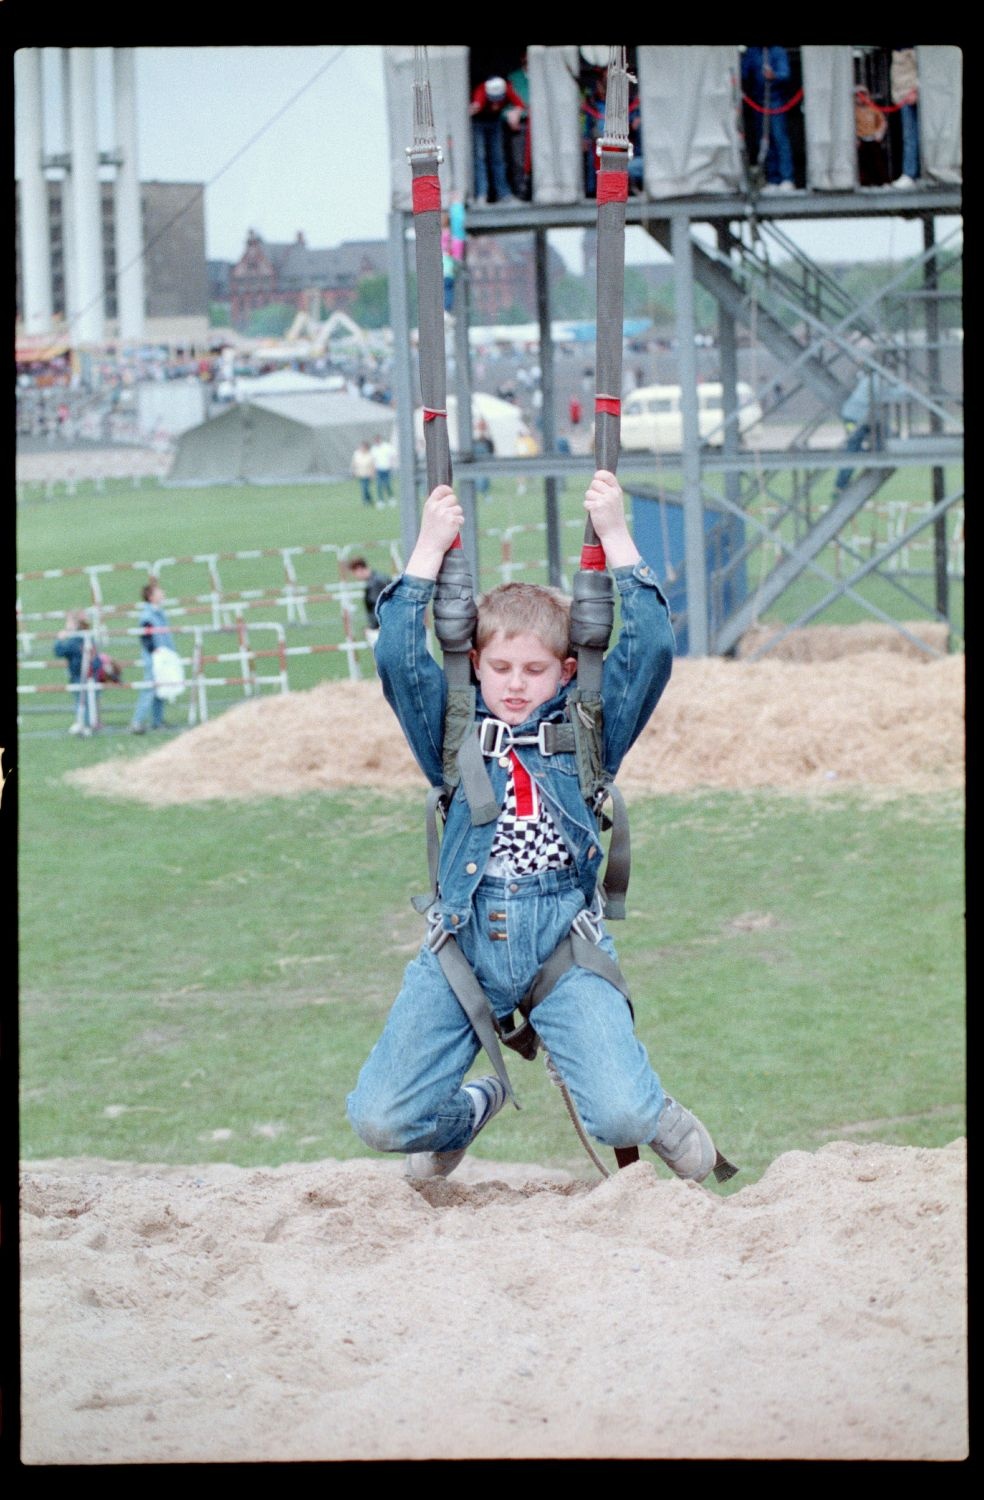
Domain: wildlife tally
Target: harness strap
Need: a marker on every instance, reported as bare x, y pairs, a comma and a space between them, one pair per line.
433, 810
475, 782
616, 879
573, 951
474, 1002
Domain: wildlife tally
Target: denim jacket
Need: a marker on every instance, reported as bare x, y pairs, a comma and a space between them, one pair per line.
636, 670
153, 625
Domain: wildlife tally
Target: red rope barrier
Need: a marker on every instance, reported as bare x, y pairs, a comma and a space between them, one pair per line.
760, 109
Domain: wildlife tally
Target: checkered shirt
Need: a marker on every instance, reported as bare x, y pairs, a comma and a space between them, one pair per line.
526, 837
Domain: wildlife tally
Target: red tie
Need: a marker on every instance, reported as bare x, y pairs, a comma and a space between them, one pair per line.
523, 787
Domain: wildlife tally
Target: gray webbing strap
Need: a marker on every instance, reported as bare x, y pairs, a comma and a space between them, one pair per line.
474, 1002
615, 882
454, 604
475, 782
573, 951
432, 811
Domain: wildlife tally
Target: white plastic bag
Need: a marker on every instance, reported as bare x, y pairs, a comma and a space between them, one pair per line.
169, 675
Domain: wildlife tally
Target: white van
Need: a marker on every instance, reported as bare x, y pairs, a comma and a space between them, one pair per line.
652, 420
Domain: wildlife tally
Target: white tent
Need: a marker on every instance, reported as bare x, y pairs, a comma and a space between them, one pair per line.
279, 439
504, 421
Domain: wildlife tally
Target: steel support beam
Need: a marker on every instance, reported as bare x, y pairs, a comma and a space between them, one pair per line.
854, 498
693, 502
555, 563
728, 294
931, 285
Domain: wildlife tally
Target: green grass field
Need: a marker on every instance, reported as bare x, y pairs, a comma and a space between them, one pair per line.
202, 983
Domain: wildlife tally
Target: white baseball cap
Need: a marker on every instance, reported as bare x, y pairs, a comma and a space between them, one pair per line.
495, 87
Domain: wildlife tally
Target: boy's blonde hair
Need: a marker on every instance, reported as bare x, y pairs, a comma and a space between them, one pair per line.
526, 608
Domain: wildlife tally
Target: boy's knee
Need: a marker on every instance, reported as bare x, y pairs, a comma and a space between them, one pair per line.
375, 1126
617, 1123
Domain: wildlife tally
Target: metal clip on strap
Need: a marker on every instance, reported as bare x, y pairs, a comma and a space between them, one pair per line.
496, 737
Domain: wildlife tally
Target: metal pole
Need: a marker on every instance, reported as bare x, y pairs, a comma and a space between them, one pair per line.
931, 285
693, 507
555, 566
403, 382
728, 349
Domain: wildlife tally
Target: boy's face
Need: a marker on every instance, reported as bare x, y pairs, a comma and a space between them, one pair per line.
517, 673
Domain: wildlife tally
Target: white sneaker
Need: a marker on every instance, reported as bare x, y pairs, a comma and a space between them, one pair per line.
489, 1096
905, 181
75, 728
684, 1143
480, 202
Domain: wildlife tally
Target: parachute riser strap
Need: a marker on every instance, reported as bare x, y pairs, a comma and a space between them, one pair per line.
454, 603
430, 315
610, 306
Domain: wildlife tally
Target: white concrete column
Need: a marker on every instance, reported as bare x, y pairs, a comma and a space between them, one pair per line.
88, 316
35, 239
129, 228
69, 269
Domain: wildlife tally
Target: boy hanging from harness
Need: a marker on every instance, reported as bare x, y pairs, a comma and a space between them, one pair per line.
519, 867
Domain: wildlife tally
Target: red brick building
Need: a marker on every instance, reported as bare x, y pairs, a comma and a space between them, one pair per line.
313, 281
501, 273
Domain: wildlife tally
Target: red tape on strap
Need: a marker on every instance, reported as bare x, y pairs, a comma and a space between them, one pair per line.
610, 404
426, 195
613, 187
592, 558
431, 414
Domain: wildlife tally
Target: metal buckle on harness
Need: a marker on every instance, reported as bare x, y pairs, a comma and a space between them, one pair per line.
494, 737
437, 933
541, 736
588, 924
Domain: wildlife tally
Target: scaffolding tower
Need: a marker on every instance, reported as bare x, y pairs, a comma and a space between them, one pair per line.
821, 340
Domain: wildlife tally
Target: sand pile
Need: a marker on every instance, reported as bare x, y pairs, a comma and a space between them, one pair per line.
874, 718
334, 1311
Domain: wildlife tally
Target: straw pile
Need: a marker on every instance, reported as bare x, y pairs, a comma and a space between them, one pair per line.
879, 719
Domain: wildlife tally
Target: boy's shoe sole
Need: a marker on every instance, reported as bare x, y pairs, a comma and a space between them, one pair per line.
422, 1165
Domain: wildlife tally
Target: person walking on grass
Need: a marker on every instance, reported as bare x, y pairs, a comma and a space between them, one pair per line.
154, 632
364, 470
72, 644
